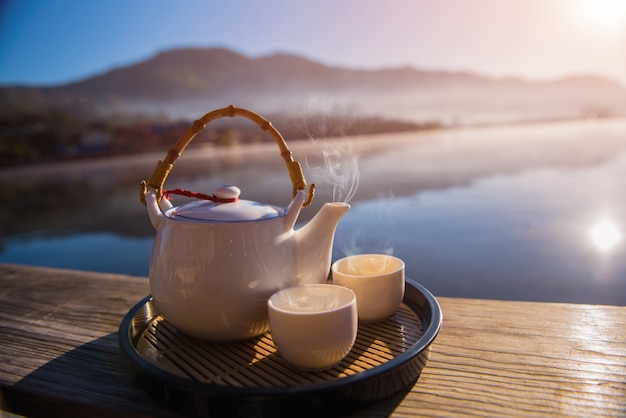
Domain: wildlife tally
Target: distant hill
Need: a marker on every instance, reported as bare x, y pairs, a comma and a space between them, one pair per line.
190, 82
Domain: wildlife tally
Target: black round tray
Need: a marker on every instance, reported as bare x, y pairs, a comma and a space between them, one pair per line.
200, 378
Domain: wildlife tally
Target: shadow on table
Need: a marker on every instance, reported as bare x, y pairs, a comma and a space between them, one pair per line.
96, 379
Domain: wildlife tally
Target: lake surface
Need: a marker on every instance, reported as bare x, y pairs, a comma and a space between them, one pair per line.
531, 212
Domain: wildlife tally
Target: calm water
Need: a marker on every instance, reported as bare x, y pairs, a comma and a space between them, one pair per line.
532, 212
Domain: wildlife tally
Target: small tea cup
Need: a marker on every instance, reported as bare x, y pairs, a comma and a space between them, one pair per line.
313, 326
376, 279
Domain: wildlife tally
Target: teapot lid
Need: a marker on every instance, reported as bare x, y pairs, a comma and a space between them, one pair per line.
227, 208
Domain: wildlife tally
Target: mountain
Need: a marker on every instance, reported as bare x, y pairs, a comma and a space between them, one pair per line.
190, 82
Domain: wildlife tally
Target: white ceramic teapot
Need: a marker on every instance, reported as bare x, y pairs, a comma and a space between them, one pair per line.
215, 262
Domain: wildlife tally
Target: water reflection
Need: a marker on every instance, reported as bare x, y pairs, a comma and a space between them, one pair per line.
102, 251
503, 213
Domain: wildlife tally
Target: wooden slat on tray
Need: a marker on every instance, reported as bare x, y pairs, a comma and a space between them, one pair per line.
255, 363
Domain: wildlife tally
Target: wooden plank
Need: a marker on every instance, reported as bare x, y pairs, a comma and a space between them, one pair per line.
59, 354
496, 358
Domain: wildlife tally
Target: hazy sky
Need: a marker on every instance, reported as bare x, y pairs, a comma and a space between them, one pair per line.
57, 41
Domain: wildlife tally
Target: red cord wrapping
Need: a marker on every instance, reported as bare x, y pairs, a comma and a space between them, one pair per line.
197, 195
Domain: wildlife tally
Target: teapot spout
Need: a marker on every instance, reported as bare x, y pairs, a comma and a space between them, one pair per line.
314, 243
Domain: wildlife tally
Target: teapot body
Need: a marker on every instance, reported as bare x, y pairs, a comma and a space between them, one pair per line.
211, 280
216, 262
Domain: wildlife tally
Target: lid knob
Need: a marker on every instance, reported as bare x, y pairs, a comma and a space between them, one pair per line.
227, 192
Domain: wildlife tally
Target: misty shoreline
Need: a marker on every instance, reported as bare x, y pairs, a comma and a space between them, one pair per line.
149, 158
426, 160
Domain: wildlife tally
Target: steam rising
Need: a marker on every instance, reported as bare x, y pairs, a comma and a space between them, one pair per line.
368, 266
340, 159
312, 303
328, 125
371, 234
314, 298
342, 172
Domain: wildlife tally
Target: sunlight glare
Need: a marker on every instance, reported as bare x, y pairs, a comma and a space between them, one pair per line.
605, 235
607, 17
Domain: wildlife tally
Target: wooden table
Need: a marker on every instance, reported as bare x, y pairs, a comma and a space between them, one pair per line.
59, 354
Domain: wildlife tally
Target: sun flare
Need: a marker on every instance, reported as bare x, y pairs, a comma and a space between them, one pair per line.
605, 235
606, 17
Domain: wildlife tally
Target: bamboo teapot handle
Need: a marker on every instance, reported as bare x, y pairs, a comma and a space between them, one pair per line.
163, 167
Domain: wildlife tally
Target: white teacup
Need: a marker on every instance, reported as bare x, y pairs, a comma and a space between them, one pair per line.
377, 280
313, 326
